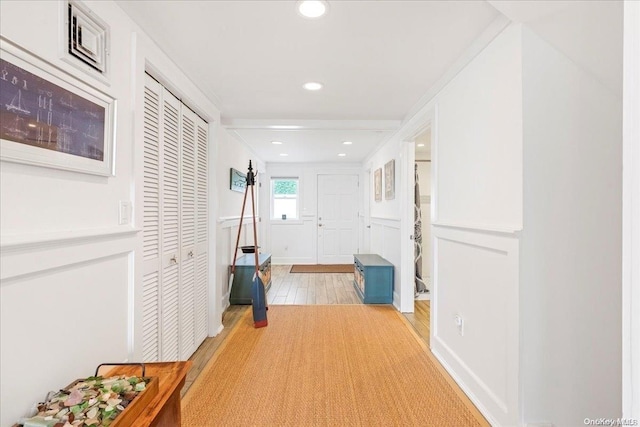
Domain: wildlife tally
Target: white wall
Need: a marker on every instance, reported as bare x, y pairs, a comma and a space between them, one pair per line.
295, 241
527, 243
571, 244
232, 153
478, 190
480, 141
386, 216
47, 312
69, 272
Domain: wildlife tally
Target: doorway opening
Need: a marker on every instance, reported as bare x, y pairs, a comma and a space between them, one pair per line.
420, 318
422, 215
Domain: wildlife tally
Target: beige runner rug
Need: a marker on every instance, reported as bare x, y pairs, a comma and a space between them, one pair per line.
326, 365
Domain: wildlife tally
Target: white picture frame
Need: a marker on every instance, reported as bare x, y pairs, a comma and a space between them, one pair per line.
52, 119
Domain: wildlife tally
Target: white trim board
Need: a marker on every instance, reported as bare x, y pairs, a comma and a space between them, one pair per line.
631, 214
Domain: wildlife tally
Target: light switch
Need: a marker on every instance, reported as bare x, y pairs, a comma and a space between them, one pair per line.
123, 217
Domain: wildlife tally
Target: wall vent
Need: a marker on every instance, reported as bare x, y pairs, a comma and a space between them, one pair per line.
88, 37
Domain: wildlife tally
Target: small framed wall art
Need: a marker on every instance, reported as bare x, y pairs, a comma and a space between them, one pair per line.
390, 180
49, 118
377, 184
238, 181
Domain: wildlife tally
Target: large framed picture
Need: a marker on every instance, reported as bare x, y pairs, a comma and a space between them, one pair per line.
49, 118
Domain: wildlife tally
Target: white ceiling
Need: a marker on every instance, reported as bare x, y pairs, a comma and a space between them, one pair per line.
375, 58
587, 32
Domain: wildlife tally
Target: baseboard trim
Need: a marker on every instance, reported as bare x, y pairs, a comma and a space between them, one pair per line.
463, 386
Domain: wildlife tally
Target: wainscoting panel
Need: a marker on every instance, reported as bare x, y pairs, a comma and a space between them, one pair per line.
79, 313
227, 234
385, 241
30, 254
476, 283
294, 242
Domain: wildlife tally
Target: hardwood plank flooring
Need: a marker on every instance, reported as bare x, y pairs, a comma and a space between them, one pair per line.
310, 288
420, 319
209, 346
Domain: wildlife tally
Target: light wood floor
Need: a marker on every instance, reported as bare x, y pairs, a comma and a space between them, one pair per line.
303, 289
310, 288
420, 319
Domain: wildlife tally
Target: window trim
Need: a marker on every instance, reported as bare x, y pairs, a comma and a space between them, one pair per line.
272, 198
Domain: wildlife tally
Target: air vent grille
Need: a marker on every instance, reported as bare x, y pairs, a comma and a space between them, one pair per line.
88, 37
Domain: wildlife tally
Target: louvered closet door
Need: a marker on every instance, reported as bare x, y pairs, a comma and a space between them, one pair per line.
194, 267
151, 222
202, 232
175, 228
188, 185
171, 227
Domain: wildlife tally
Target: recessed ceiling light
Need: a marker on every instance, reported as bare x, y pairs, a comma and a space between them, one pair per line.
276, 142
420, 145
347, 142
312, 86
341, 155
285, 127
312, 8
283, 154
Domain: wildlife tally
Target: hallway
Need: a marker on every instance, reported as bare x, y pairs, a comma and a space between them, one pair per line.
533, 126
300, 289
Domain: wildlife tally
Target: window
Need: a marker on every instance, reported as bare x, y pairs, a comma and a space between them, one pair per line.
284, 198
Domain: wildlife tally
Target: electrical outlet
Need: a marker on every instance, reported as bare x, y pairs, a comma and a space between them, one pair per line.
459, 321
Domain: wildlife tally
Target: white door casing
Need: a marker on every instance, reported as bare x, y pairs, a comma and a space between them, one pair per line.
337, 218
407, 227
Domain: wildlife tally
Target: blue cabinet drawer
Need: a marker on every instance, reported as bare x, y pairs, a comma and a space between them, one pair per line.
373, 279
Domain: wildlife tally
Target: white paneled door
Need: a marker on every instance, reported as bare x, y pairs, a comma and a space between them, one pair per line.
337, 218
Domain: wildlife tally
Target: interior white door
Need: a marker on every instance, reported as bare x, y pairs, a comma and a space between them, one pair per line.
337, 218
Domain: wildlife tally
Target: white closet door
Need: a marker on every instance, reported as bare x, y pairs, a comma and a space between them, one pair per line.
151, 222
175, 227
170, 205
202, 232
188, 184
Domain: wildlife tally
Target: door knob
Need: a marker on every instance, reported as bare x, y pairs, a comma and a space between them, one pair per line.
319, 225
